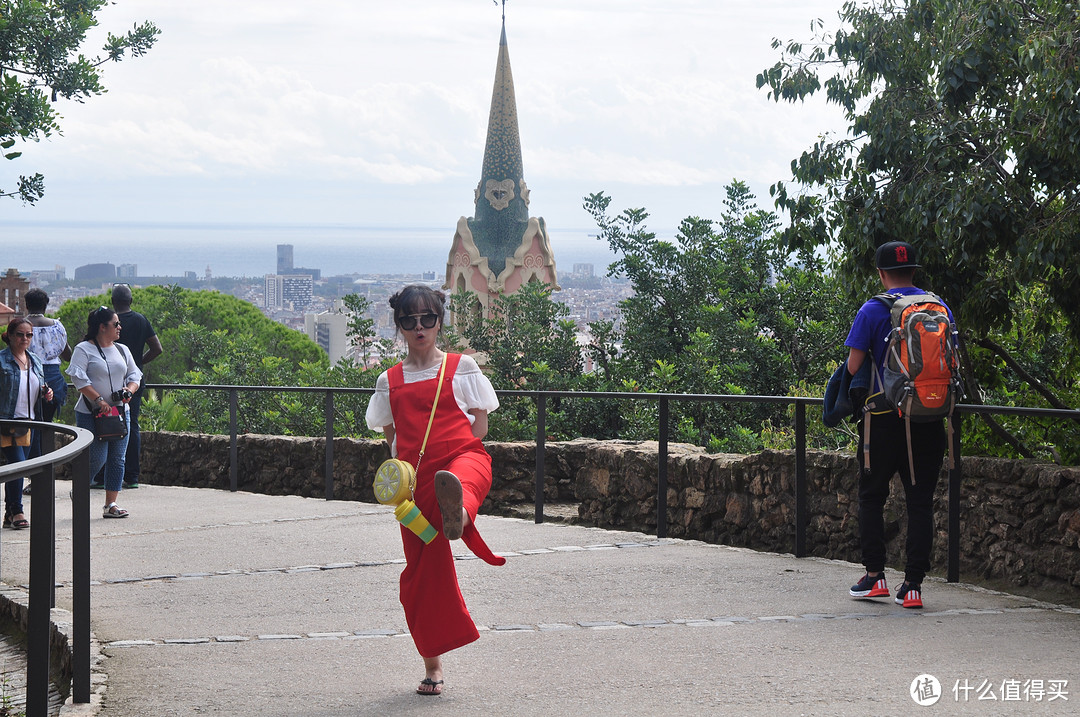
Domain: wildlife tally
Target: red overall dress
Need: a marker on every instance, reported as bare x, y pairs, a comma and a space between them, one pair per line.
434, 608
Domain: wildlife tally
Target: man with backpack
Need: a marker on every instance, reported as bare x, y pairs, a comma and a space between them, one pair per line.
908, 334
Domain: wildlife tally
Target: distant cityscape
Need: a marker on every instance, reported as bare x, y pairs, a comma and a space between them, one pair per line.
302, 298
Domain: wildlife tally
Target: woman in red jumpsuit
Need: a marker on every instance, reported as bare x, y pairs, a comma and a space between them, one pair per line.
453, 477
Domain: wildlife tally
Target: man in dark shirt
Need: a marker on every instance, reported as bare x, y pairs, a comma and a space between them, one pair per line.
135, 333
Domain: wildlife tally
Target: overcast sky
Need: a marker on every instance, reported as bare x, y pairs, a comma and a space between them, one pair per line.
374, 113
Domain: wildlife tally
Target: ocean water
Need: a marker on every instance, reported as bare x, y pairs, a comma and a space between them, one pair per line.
251, 250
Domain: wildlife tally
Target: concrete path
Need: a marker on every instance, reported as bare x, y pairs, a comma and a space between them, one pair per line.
217, 603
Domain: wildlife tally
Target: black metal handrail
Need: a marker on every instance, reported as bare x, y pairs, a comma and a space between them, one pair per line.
663, 430
43, 559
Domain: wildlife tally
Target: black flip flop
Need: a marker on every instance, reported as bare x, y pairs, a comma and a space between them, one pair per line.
435, 685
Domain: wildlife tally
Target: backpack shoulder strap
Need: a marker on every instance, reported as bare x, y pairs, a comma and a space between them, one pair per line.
888, 299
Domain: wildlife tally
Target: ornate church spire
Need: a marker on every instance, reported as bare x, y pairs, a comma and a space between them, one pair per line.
500, 247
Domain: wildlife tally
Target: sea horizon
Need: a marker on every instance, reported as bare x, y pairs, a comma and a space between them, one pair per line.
248, 249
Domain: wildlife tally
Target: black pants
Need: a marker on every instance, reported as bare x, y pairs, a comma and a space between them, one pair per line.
889, 456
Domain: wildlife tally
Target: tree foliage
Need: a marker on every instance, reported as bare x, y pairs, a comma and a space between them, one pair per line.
216, 339
964, 139
723, 308
40, 61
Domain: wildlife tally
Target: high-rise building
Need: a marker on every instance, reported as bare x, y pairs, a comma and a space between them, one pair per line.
284, 259
329, 329
272, 291
287, 291
297, 290
127, 271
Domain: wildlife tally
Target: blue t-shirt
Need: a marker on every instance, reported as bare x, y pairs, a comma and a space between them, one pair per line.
872, 325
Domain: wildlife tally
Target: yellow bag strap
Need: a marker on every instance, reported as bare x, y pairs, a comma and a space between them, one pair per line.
431, 420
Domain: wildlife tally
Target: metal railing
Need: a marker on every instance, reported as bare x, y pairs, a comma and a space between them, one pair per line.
43, 523
43, 559
663, 433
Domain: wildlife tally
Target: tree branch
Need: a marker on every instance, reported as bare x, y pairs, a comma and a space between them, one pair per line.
975, 398
1040, 388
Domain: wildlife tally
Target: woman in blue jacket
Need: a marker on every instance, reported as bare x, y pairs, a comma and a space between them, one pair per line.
22, 386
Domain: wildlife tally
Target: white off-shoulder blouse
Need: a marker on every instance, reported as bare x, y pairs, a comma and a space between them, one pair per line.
472, 389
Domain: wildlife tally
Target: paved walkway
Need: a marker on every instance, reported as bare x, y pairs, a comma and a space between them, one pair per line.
216, 603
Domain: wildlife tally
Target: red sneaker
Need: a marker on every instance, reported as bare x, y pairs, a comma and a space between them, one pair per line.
870, 587
909, 596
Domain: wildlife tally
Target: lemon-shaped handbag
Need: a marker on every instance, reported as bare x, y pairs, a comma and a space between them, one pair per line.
396, 479
394, 482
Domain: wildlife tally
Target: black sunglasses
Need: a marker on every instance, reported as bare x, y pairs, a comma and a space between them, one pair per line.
408, 322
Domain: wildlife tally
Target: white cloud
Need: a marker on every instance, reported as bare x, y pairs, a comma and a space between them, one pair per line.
653, 93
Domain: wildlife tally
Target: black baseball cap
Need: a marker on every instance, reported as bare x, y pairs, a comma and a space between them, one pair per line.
896, 255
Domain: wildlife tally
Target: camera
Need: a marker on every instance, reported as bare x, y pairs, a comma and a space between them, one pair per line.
121, 395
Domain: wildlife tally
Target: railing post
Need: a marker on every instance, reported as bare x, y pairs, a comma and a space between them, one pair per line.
800, 480
46, 445
329, 470
661, 473
955, 474
541, 442
233, 452
42, 530
80, 578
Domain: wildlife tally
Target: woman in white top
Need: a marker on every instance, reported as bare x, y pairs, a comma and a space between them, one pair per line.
22, 384
50, 344
452, 480
104, 372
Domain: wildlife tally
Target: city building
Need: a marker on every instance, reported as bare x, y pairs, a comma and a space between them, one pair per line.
12, 289
57, 273
288, 291
501, 247
329, 329
90, 272
284, 259
127, 271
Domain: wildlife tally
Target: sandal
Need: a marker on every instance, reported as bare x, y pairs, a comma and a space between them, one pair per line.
430, 687
448, 494
112, 510
10, 521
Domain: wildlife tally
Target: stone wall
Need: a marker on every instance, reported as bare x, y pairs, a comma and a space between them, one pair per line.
1020, 521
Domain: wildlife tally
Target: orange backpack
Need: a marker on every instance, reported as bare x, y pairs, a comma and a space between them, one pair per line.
922, 363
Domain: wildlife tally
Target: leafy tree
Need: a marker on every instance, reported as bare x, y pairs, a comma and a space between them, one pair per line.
964, 121
185, 321
361, 328
724, 308
40, 62
527, 343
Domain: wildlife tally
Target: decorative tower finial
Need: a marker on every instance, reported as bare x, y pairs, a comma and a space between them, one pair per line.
501, 247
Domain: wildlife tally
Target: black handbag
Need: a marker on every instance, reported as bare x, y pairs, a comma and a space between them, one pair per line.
109, 426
